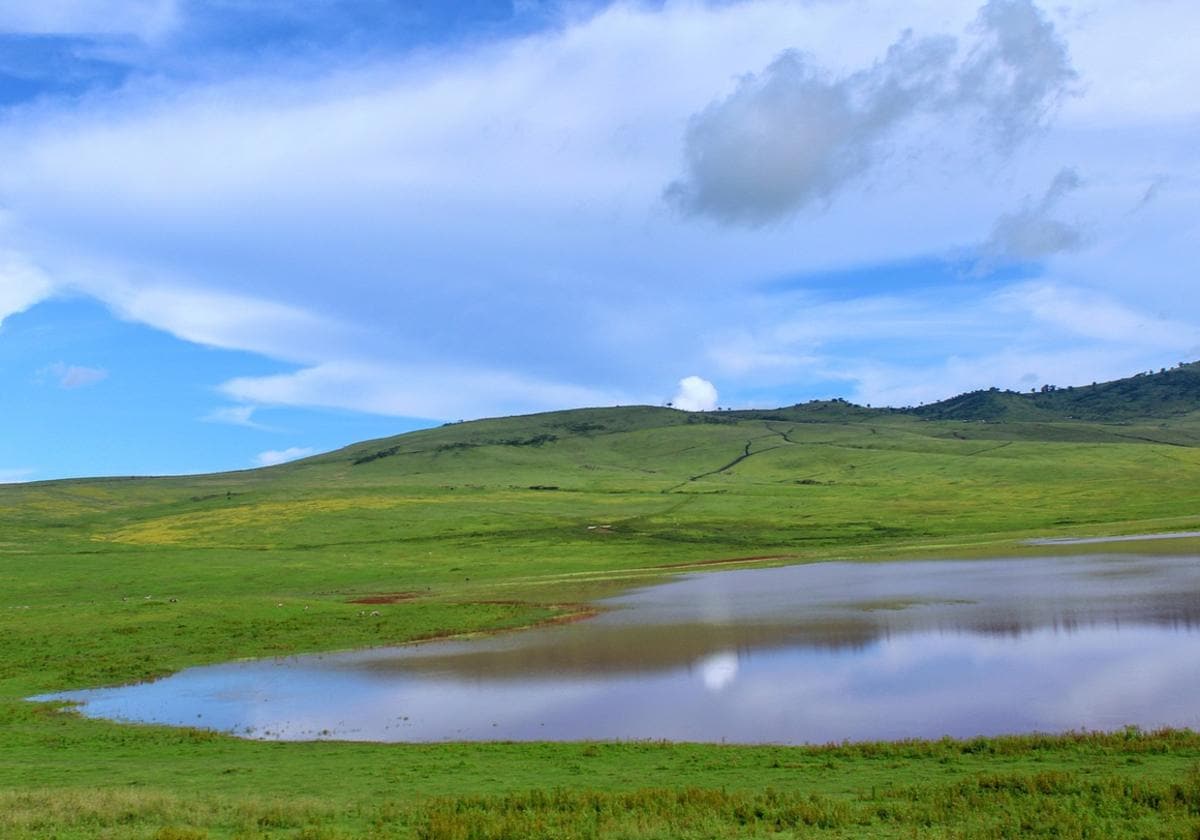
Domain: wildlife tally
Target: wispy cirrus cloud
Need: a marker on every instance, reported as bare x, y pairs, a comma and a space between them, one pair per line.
933, 344
412, 391
17, 475
236, 415
146, 19
479, 226
1092, 314
22, 284
74, 376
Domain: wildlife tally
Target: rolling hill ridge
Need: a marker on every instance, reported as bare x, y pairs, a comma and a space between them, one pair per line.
1161, 407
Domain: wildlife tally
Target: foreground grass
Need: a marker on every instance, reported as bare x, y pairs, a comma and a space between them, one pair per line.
1126, 784
1047, 804
483, 527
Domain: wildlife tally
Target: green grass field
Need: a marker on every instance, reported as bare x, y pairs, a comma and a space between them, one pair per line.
504, 523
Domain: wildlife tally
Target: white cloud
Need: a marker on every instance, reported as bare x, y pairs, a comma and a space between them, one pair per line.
16, 476
236, 415
413, 391
885, 382
481, 230
145, 19
1017, 73
21, 284
933, 344
1091, 314
802, 336
75, 376
1130, 66
793, 135
222, 319
1032, 233
743, 353
695, 394
279, 456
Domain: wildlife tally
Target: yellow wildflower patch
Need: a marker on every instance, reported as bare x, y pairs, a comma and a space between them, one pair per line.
210, 525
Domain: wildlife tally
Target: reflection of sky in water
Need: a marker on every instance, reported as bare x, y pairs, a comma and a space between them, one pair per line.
718, 670
800, 654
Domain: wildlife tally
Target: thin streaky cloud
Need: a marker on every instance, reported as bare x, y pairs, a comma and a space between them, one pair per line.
237, 415
16, 476
74, 376
271, 457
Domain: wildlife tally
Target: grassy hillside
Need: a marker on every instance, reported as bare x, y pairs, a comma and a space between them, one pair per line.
502, 523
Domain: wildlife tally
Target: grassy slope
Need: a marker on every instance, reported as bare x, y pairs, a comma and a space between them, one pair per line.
113, 580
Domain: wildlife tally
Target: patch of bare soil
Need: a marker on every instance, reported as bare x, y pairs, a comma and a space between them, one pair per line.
578, 612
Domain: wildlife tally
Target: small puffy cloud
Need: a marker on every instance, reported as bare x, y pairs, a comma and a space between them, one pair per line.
279, 456
1032, 233
695, 394
795, 135
75, 376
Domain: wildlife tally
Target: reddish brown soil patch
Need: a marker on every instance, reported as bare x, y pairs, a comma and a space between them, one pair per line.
388, 598
585, 612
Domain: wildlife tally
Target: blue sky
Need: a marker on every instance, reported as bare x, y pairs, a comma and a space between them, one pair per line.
237, 232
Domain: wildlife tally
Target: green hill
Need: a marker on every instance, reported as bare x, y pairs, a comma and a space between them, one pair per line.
1144, 396
1160, 407
992, 406
1144, 399
1169, 393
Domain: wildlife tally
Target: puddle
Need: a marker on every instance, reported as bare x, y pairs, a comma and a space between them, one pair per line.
798, 654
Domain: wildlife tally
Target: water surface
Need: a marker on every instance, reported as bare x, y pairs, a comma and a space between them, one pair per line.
799, 654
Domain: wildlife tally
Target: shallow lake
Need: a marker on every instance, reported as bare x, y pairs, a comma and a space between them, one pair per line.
799, 654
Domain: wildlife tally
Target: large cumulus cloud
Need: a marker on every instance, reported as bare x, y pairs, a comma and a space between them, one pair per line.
793, 135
